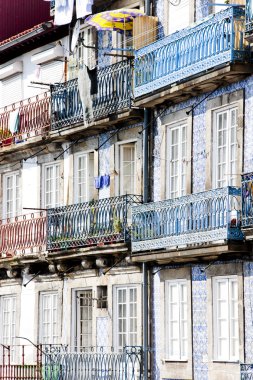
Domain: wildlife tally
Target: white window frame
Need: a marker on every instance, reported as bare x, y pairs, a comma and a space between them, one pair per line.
228, 177
130, 341
168, 6
228, 280
169, 320
51, 320
87, 56
9, 339
89, 177
16, 198
118, 166
182, 162
54, 202
76, 340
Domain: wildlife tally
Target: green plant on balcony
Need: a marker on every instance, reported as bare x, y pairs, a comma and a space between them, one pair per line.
117, 225
5, 134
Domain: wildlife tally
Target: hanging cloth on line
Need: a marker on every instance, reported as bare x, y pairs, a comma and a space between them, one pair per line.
83, 8
63, 12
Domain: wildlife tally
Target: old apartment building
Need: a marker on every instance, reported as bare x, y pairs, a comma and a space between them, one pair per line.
126, 192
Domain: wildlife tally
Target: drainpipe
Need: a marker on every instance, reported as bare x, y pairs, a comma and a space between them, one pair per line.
145, 320
145, 295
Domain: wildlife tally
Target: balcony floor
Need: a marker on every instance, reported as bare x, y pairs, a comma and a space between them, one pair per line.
205, 252
201, 84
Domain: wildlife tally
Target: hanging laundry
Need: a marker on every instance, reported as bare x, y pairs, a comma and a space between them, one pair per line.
84, 85
14, 122
63, 11
97, 182
93, 80
83, 8
106, 180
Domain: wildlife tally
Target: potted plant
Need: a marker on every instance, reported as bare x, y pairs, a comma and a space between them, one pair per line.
6, 137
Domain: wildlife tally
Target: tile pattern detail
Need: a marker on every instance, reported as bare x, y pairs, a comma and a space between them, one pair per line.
199, 328
103, 332
155, 322
248, 305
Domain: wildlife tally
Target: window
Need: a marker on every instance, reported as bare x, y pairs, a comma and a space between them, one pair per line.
176, 160
48, 318
102, 297
52, 72
225, 318
225, 147
12, 90
176, 320
11, 195
83, 319
127, 168
8, 321
84, 177
180, 14
87, 37
126, 316
51, 185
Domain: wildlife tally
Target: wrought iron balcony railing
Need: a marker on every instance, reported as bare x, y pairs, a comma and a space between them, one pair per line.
214, 41
98, 363
114, 95
20, 362
90, 223
23, 234
247, 200
25, 119
197, 218
246, 371
248, 17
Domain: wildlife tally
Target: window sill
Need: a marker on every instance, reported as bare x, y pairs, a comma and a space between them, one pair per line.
226, 361
174, 360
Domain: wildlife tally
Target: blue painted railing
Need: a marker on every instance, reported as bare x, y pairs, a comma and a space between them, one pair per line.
90, 223
249, 17
247, 200
197, 218
114, 95
186, 53
246, 371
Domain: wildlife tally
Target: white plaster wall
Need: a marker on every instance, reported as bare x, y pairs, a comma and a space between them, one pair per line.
30, 174
31, 72
27, 313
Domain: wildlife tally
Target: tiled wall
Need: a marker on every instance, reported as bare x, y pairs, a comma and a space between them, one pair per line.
248, 316
199, 133
199, 323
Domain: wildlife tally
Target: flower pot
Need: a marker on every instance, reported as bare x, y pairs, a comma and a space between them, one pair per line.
7, 142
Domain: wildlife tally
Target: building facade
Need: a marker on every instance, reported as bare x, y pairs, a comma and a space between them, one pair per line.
125, 169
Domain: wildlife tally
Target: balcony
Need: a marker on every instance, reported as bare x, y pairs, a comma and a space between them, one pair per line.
248, 20
198, 218
28, 118
98, 363
247, 203
113, 96
91, 223
214, 43
23, 235
18, 362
